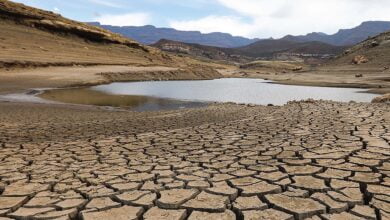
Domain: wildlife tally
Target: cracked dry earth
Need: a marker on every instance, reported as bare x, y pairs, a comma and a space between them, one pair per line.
321, 160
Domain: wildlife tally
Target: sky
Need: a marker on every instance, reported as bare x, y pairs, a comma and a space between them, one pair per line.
248, 18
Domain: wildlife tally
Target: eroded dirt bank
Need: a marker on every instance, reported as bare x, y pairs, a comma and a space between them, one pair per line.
302, 160
21, 79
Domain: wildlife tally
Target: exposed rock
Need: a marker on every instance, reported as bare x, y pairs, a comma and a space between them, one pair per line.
382, 99
359, 59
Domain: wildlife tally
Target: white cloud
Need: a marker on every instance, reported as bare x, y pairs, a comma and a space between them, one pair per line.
276, 18
227, 24
130, 19
108, 3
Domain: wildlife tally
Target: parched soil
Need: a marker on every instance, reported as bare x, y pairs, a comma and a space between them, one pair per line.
304, 160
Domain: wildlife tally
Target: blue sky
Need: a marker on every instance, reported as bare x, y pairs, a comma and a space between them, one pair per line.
249, 18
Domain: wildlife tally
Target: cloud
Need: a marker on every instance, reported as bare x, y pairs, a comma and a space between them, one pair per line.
276, 18
228, 24
106, 3
129, 19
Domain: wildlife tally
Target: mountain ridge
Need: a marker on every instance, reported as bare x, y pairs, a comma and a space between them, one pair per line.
345, 37
150, 34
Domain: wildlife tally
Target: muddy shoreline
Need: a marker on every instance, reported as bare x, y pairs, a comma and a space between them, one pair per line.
21, 79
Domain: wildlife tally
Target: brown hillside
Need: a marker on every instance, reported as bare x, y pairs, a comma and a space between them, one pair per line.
34, 37
373, 52
201, 51
270, 47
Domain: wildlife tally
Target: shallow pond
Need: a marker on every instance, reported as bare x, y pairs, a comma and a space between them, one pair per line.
156, 95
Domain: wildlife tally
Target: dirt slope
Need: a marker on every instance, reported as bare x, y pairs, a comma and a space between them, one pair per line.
202, 52
375, 50
37, 37
270, 47
31, 37
34, 37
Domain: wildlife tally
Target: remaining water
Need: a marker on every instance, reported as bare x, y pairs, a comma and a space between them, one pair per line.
87, 96
238, 90
162, 95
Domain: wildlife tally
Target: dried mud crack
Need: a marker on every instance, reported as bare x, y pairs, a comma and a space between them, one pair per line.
304, 160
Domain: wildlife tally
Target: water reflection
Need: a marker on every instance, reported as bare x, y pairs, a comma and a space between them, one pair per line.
238, 90
161, 95
88, 96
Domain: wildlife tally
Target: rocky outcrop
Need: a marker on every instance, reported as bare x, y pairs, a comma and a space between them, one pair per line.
359, 59
382, 99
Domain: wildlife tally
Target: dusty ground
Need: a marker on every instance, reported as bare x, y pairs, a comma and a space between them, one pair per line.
304, 160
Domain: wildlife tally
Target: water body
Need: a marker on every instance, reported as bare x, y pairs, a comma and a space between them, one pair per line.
89, 96
184, 94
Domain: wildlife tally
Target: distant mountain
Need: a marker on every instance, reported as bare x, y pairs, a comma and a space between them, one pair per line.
345, 37
264, 49
270, 47
150, 35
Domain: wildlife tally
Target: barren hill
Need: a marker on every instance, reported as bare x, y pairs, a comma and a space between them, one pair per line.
262, 49
34, 37
268, 48
373, 52
31, 36
201, 51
